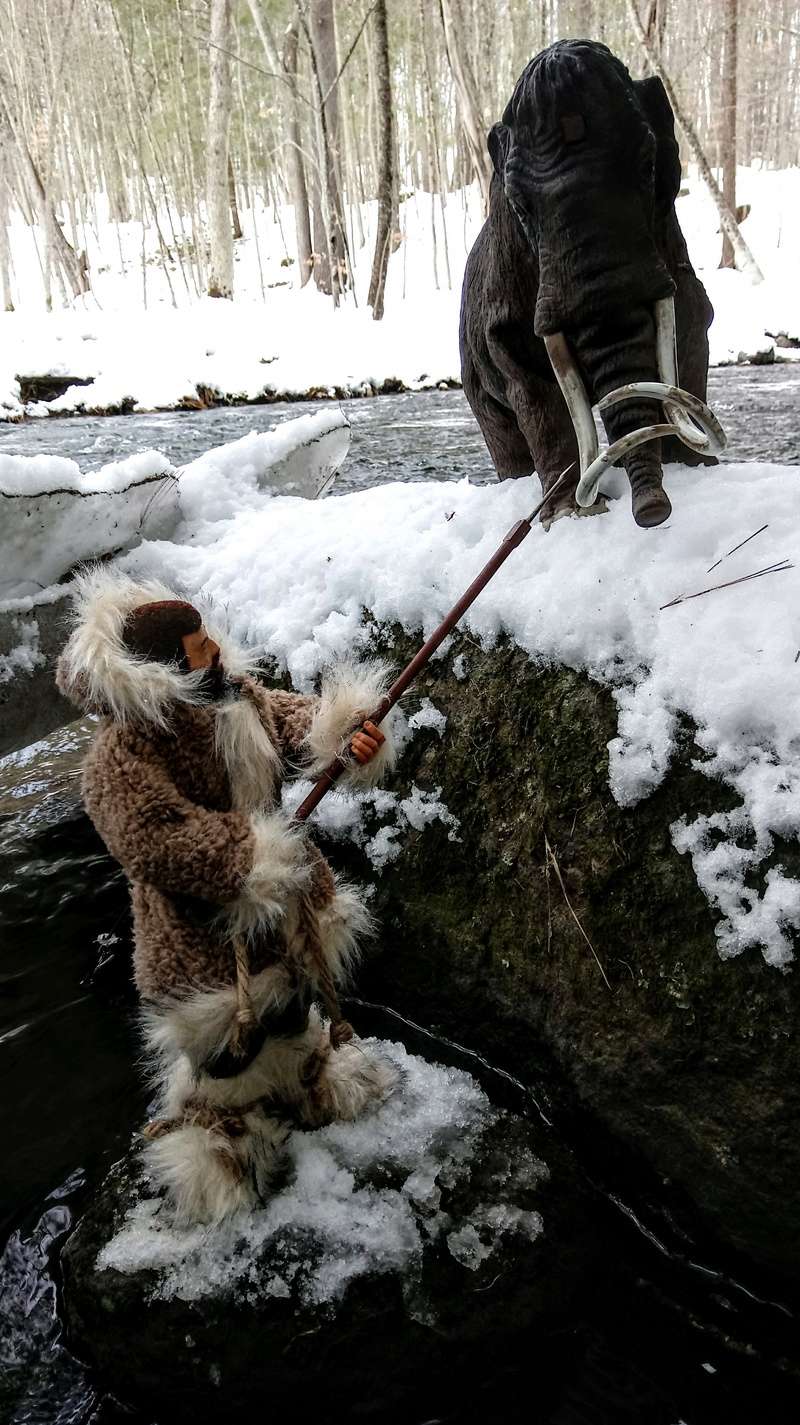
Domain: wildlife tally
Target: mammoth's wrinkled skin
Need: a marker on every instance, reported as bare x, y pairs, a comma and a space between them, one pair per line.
581, 238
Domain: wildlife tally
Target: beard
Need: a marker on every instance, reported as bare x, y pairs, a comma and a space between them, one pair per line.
215, 685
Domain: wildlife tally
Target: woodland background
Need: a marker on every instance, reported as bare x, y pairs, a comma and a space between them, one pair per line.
187, 116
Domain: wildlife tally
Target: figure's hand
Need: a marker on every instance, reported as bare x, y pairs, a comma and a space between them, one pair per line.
365, 742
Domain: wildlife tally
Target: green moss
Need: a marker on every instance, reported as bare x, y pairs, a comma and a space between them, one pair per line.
691, 1059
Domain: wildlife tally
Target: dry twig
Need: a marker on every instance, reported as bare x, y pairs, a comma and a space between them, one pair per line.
554, 863
738, 546
780, 568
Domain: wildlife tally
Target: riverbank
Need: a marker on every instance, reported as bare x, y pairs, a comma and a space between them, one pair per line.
143, 340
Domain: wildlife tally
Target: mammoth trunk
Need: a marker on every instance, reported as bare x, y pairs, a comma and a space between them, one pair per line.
613, 354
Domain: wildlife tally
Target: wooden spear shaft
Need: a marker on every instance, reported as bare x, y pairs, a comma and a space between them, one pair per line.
513, 539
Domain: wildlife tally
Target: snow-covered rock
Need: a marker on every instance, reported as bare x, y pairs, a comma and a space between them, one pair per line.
53, 517
431, 1230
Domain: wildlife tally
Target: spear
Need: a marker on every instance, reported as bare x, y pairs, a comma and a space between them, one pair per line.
513, 539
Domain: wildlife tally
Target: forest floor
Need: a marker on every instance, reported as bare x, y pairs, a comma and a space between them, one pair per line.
145, 339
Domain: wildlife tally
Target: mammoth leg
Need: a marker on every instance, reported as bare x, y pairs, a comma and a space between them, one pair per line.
505, 441
544, 419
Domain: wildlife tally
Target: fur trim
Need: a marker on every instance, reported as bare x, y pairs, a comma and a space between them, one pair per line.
349, 692
344, 924
199, 1025
250, 758
100, 674
280, 870
210, 1175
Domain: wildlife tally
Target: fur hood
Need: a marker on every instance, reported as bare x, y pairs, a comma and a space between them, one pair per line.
100, 675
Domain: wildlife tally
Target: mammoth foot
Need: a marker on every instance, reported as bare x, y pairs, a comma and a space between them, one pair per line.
569, 507
650, 503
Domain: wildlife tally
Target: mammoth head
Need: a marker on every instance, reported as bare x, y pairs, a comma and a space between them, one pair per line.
589, 164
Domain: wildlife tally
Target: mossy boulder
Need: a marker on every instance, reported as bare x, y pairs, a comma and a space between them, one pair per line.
416, 1255
692, 1060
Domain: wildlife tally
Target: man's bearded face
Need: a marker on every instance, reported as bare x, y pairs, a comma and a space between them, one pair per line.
202, 652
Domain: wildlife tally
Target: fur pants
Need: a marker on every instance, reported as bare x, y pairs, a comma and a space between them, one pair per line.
219, 1146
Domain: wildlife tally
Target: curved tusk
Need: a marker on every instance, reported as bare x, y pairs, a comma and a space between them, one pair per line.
667, 356
707, 435
574, 392
689, 418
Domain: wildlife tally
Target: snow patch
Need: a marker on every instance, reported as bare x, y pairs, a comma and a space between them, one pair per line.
296, 579
327, 1226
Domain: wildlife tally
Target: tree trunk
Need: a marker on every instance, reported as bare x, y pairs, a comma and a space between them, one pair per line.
387, 165
727, 143
286, 64
467, 90
727, 220
236, 222
71, 265
297, 172
220, 104
330, 242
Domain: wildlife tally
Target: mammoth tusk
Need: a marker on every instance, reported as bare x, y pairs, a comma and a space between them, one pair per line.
702, 432
574, 392
667, 354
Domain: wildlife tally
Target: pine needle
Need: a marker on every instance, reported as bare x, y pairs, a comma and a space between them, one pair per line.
551, 859
738, 546
780, 568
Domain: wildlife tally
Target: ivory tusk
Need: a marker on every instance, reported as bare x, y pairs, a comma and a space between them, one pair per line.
689, 418
574, 392
667, 356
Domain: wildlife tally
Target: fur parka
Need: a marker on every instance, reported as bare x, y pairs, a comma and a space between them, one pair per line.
186, 796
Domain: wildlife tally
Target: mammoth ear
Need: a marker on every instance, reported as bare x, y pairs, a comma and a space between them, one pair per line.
497, 142
653, 99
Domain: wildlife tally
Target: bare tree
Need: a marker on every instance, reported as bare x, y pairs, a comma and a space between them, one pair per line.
220, 104
387, 167
467, 91
727, 140
744, 257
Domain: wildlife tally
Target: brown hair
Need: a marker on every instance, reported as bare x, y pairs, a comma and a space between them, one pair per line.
154, 631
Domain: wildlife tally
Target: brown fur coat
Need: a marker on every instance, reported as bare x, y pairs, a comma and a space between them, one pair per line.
186, 796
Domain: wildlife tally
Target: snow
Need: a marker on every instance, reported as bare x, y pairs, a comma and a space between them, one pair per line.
354, 816
330, 1225
24, 657
50, 525
296, 577
277, 338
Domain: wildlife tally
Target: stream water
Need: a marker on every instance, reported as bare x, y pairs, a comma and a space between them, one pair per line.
680, 1331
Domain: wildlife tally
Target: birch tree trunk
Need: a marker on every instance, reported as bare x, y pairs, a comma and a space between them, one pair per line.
727, 145
220, 104
469, 108
294, 152
727, 221
330, 242
387, 165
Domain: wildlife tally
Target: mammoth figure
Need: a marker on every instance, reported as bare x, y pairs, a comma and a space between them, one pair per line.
569, 288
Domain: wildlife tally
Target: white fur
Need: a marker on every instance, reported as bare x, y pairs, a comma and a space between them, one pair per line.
349, 692
250, 758
199, 1025
97, 666
280, 871
195, 1164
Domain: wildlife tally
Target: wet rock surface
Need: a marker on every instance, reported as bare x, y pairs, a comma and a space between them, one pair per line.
691, 1060
439, 1232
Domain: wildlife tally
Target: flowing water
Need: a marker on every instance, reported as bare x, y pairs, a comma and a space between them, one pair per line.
679, 1332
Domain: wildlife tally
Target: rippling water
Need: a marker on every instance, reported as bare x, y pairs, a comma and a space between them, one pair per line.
671, 1333
430, 435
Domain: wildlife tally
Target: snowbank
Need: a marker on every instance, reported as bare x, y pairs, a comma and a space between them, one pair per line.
295, 579
274, 338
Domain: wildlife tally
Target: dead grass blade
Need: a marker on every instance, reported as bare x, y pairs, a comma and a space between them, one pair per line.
780, 568
741, 545
551, 860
